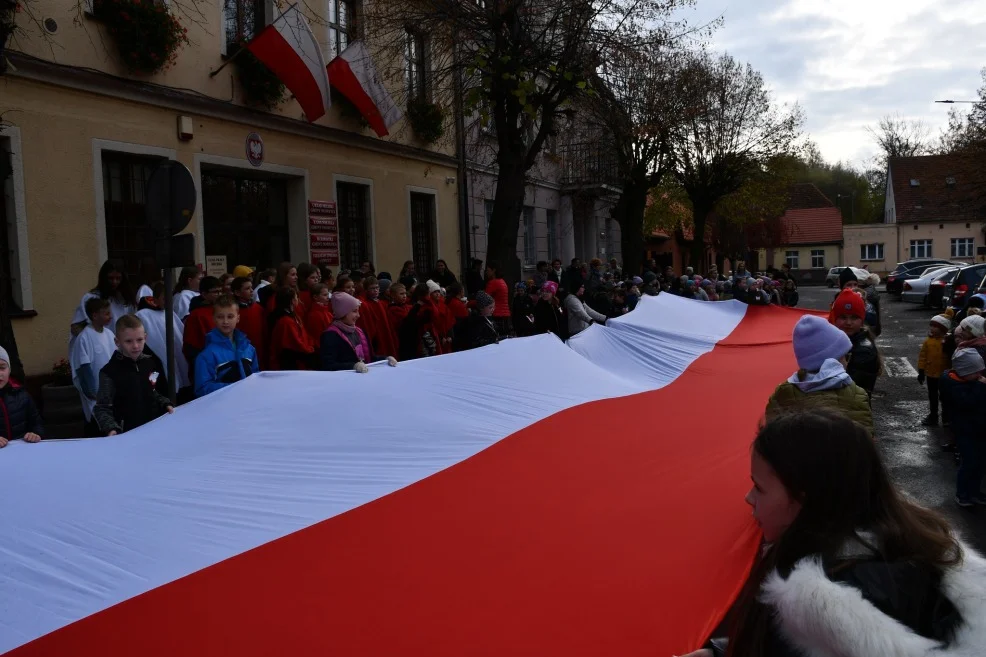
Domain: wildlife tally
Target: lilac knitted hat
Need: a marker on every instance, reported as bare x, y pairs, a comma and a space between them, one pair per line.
343, 304
815, 341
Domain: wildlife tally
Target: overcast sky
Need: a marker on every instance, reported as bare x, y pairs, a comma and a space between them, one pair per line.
850, 62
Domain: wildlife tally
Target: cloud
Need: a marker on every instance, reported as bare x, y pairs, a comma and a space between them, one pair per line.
851, 62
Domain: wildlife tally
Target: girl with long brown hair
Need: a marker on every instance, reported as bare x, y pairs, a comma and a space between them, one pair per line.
850, 567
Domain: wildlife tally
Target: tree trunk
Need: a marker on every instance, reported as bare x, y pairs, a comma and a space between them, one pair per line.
508, 203
702, 210
629, 213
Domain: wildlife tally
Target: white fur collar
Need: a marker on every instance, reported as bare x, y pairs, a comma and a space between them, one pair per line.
827, 619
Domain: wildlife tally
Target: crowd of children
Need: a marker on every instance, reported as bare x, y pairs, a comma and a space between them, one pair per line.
951, 364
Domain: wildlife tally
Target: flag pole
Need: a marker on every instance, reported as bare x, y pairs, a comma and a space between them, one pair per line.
213, 74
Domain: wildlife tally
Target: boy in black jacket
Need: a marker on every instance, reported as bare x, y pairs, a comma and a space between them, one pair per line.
964, 388
19, 417
132, 386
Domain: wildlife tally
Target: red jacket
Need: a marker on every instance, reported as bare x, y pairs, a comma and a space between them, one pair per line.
441, 326
318, 319
289, 336
253, 323
497, 288
375, 322
304, 303
396, 313
198, 322
457, 309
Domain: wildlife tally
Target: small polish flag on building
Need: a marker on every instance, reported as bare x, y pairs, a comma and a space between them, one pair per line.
355, 76
289, 49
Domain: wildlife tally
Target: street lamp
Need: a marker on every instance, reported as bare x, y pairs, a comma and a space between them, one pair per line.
952, 102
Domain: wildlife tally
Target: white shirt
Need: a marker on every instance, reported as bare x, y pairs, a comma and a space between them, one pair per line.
181, 302
117, 310
144, 291
155, 327
93, 348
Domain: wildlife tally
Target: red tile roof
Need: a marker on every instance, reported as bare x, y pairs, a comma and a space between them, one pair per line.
812, 226
949, 188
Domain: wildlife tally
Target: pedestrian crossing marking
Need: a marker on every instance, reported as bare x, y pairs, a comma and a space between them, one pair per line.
899, 366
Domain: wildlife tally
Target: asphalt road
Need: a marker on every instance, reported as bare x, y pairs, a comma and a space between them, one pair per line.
912, 452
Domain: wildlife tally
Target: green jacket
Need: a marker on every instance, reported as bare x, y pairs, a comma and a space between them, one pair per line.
850, 400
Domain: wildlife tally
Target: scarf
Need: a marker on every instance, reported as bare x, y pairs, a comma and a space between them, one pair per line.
344, 327
831, 376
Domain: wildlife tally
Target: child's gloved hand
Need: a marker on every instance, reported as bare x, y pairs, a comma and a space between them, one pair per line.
391, 361
921, 377
361, 368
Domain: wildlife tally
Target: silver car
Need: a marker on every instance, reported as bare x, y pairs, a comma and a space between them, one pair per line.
916, 289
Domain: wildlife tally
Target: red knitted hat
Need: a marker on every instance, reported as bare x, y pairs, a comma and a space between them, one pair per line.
849, 302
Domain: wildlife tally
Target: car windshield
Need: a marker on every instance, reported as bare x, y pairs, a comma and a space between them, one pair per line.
931, 271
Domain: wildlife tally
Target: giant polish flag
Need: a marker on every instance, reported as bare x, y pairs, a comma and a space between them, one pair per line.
355, 76
527, 498
289, 49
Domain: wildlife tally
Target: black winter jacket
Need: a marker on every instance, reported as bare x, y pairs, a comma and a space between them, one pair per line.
864, 362
916, 596
550, 318
473, 332
966, 401
131, 392
20, 415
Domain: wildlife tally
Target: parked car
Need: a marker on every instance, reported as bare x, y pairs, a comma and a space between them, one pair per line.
917, 290
905, 271
832, 278
967, 282
936, 291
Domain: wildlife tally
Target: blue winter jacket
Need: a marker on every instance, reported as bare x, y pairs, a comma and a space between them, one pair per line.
224, 361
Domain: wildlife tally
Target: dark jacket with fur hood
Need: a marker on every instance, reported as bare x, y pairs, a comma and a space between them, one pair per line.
873, 608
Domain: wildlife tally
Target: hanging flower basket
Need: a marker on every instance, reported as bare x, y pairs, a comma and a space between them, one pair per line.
261, 87
146, 34
427, 120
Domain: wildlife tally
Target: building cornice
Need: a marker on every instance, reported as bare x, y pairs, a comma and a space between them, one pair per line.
34, 69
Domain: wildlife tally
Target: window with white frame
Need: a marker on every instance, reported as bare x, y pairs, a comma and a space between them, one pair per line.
962, 247
791, 258
920, 249
341, 20
551, 217
530, 238
416, 66
818, 258
871, 252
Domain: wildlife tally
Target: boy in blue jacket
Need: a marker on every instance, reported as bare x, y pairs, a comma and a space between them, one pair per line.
964, 388
228, 356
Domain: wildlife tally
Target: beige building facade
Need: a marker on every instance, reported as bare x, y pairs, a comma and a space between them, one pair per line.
82, 137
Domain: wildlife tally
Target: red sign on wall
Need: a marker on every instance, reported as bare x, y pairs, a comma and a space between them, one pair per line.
323, 233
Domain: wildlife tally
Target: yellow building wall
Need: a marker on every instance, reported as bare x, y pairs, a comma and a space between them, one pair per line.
833, 255
82, 41
57, 127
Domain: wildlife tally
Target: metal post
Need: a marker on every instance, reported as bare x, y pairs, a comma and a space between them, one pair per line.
169, 327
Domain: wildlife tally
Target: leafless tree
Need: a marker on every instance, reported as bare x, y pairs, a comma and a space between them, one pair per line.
521, 66
900, 137
645, 93
729, 139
